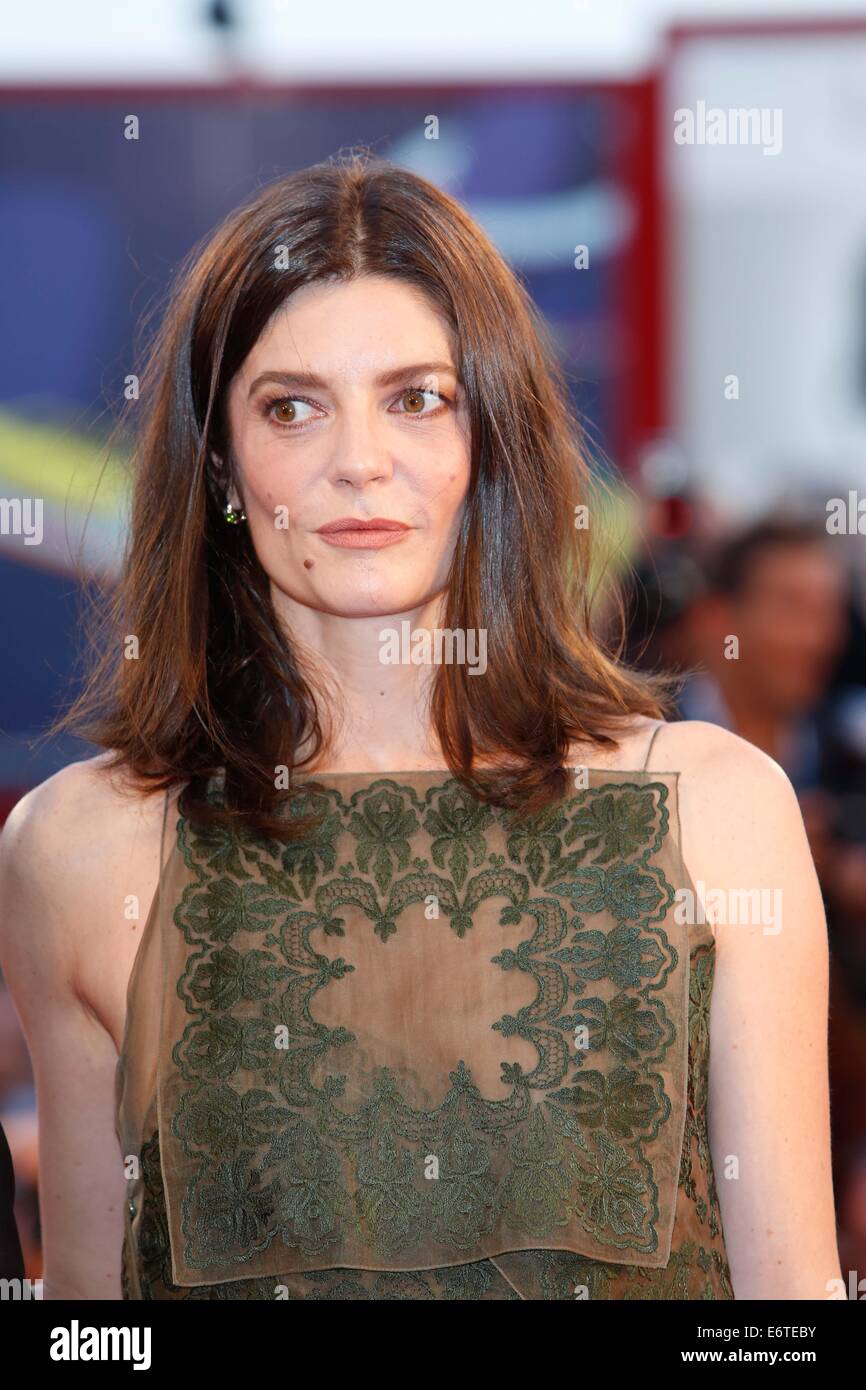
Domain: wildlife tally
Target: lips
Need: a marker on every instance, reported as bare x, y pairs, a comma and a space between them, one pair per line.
363, 533
355, 523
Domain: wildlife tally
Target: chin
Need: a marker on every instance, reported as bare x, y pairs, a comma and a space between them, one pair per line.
382, 604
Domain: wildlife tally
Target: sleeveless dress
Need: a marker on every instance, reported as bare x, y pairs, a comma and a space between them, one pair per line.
429, 1052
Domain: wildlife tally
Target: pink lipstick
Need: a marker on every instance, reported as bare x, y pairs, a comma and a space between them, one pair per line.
367, 533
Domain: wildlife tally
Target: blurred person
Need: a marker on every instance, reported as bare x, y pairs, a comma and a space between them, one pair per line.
769, 630
767, 634
770, 634
373, 1039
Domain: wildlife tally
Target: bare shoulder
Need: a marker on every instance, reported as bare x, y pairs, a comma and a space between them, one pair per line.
725, 782
708, 756
705, 755
741, 824
77, 814
64, 850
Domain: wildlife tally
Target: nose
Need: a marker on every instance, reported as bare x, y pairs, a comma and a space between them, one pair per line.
360, 450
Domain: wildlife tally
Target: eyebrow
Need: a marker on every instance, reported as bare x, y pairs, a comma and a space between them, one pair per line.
309, 381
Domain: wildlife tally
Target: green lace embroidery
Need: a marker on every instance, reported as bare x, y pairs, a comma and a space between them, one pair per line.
695, 1270
696, 1138
272, 1163
691, 1273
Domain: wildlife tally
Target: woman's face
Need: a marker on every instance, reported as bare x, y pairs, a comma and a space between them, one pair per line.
348, 408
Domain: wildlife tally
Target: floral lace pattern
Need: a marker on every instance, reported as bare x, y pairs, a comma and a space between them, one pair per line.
287, 1174
697, 1269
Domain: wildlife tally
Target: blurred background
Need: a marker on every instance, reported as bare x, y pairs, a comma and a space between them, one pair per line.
682, 187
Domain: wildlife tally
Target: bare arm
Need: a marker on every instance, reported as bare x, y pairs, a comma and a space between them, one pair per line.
769, 1114
51, 906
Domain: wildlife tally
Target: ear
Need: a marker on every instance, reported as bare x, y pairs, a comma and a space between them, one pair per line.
221, 482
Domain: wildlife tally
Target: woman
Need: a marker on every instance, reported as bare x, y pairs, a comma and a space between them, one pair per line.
419, 1008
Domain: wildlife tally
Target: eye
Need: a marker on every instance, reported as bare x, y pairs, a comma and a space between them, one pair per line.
415, 398
288, 410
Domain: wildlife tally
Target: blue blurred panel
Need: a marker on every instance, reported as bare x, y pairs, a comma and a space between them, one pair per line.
93, 224
59, 253
41, 612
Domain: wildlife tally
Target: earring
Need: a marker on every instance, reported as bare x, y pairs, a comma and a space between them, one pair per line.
232, 516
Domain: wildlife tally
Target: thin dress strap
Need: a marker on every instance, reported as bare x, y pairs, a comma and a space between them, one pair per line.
162, 836
649, 750
656, 732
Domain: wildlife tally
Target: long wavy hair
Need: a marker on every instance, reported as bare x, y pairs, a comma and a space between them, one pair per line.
218, 685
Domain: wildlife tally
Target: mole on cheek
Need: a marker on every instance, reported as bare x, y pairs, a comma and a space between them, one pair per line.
308, 564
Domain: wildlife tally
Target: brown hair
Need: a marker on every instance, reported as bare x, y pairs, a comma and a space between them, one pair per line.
218, 685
